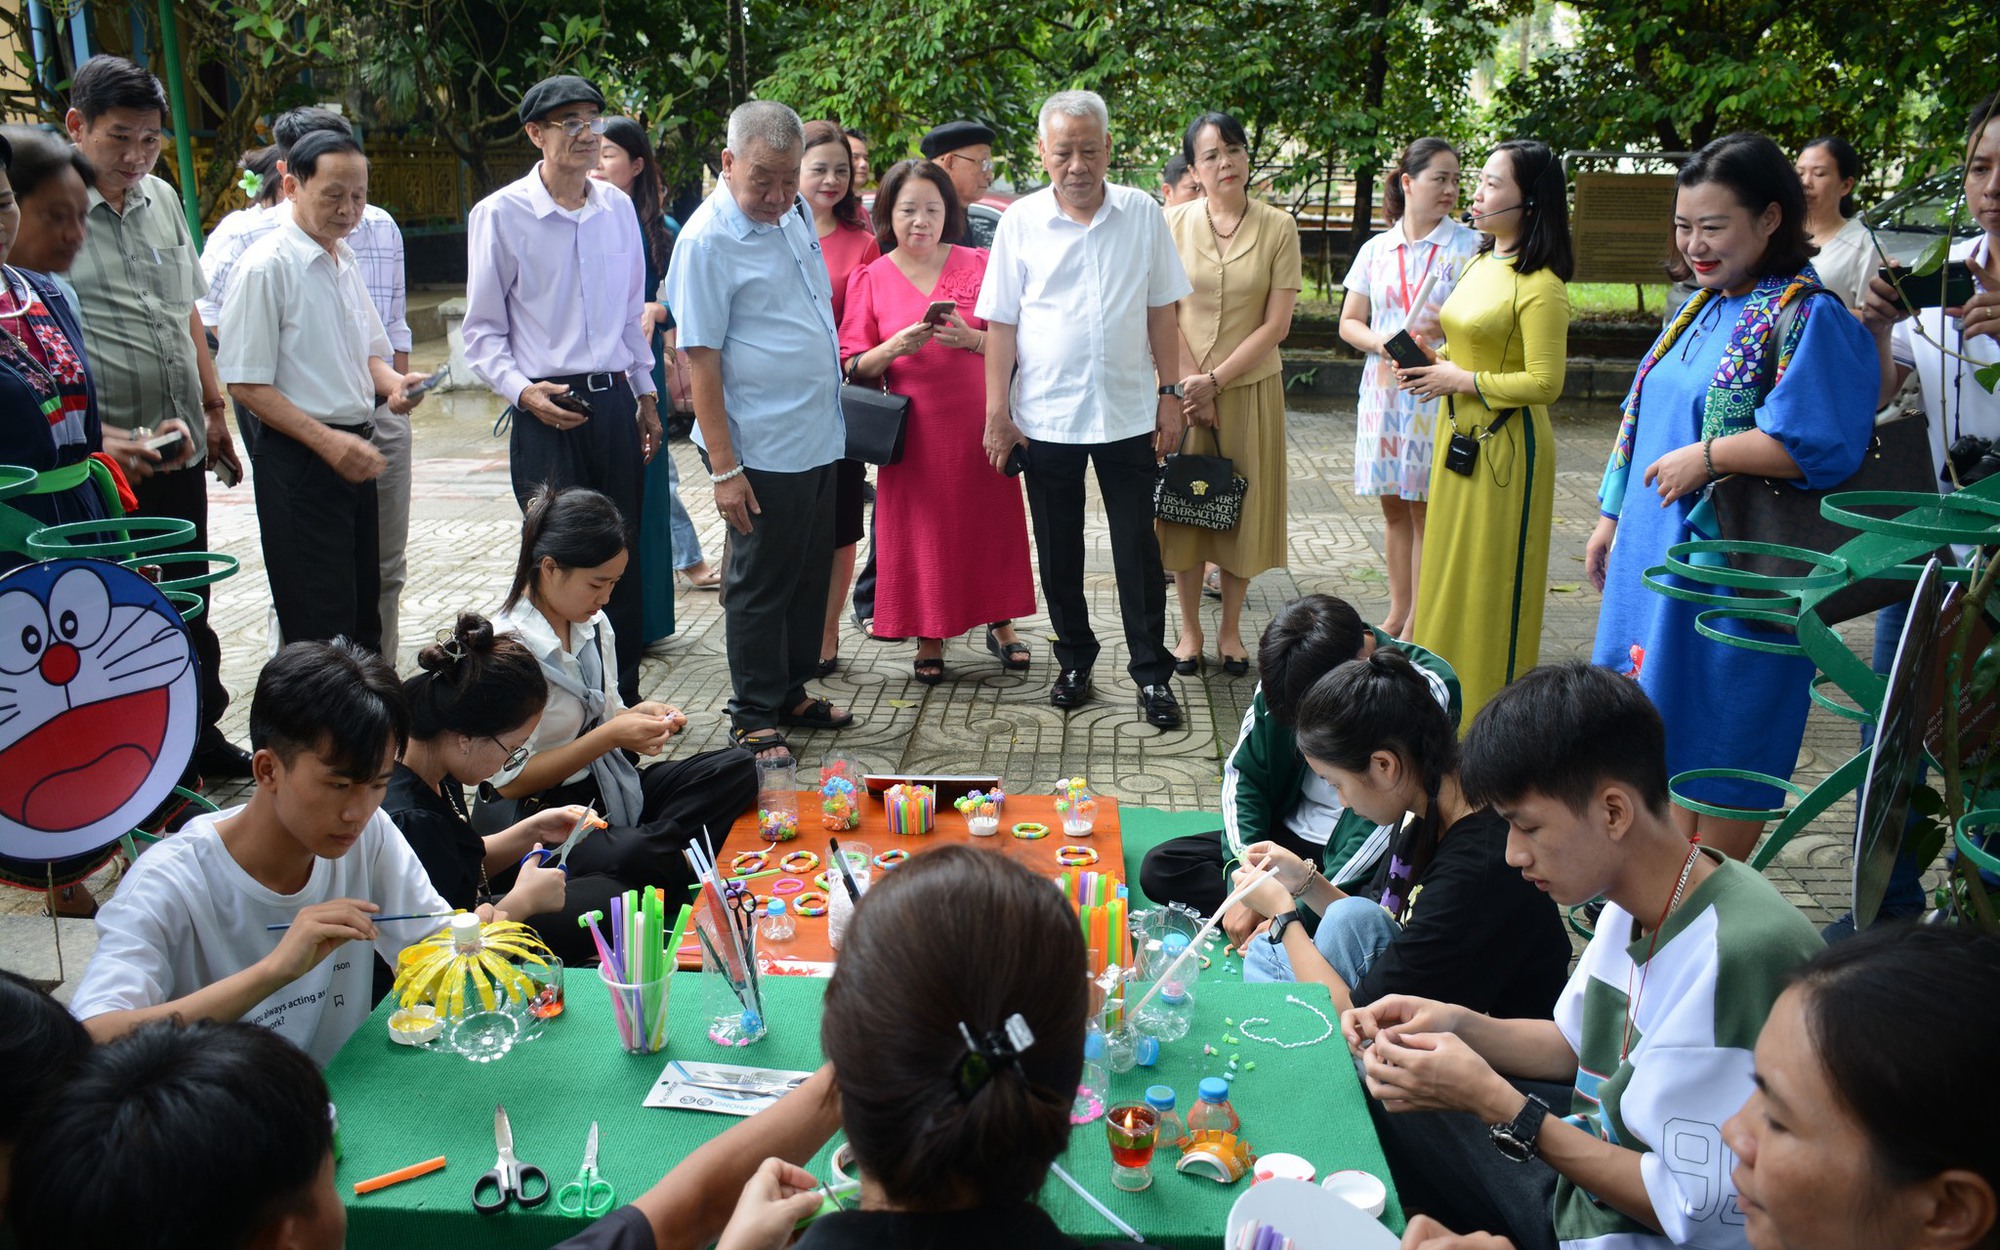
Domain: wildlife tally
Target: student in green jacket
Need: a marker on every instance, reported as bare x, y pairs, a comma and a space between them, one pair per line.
1268, 793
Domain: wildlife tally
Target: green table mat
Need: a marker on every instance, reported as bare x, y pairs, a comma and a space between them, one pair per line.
1143, 828
399, 1106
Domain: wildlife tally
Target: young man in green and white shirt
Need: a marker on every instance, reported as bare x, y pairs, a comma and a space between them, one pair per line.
1618, 1142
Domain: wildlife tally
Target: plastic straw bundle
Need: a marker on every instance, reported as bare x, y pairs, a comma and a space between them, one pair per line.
910, 809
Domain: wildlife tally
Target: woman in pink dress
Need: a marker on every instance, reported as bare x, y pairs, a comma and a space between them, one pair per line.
826, 180
951, 537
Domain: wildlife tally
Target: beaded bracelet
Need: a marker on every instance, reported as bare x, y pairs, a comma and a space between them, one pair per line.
1076, 856
1029, 830
824, 881
787, 885
890, 858
799, 861
811, 903
747, 862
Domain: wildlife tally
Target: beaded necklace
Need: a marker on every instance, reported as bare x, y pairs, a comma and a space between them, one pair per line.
1325, 1032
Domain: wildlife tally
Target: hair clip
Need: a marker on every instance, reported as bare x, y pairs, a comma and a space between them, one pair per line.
983, 1053
251, 183
450, 643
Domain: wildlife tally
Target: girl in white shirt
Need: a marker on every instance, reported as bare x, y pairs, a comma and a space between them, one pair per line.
1829, 167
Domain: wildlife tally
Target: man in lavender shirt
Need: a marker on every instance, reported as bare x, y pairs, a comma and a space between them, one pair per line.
553, 300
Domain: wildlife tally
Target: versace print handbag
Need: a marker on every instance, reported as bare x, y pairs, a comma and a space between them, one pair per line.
1202, 491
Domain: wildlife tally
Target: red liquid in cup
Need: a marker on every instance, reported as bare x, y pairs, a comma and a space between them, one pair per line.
546, 1005
1132, 1130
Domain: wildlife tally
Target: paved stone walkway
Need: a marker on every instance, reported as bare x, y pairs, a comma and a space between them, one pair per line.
465, 528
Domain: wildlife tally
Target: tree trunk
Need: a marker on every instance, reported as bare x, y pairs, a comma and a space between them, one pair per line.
1372, 89
739, 64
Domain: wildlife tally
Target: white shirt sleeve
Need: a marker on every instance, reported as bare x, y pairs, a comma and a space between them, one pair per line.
252, 321
1000, 291
398, 322
638, 374
378, 334
130, 969
1356, 281
1900, 349
1167, 282
489, 276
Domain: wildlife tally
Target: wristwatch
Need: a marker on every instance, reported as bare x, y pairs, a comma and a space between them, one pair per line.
1174, 389
1518, 1138
1284, 920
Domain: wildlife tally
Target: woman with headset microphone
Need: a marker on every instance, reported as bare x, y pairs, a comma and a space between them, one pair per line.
1506, 325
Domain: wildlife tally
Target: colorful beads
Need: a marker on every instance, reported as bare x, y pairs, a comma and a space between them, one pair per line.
1029, 830
890, 858
1076, 856
982, 812
1076, 807
787, 885
839, 795
799, 861
746, 862
777, 825
811, 903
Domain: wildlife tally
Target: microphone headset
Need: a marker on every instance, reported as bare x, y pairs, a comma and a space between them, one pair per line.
1527, 200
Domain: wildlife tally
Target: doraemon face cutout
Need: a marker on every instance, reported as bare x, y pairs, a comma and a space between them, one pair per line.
99, 705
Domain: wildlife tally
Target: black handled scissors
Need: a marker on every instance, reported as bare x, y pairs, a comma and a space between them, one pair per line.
524, 1184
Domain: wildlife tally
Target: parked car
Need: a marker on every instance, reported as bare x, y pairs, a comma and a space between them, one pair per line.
1912, 219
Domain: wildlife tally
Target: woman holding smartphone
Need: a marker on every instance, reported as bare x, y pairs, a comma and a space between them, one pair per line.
951, 536
1480, 592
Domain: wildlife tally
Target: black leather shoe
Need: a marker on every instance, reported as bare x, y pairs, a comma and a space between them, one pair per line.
1162, 710
216, 757
1072, 689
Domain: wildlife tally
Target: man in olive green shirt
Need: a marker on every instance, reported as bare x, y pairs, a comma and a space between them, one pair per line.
137, 278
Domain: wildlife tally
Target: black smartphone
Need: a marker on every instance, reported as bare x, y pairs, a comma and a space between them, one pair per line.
1017, 460
1403, 349
1948, 287
570, 401
938, 311
423, 386
168, 444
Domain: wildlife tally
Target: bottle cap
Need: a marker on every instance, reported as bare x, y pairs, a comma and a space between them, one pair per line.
1093, 1045
776, 907
1214, 1089
1174, 995
1174, 943
1160, 1097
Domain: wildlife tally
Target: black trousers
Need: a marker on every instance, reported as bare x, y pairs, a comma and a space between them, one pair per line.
1125, 473
1446, 1166
774, 583
183, 494
321, 551
679, 798
602, 455
1193, 870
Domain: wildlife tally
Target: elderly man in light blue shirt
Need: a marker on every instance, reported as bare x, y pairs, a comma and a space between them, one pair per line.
750, 292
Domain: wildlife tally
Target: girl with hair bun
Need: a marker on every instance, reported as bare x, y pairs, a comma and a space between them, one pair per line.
954, 1023
574, 550
474, 701
1445, 917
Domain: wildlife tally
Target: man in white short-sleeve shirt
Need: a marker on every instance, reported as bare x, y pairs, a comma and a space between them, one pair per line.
303, 347
188, 933
1080, 292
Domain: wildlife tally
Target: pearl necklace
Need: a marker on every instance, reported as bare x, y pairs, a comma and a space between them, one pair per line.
1325, 1032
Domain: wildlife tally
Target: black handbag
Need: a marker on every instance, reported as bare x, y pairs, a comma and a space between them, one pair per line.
876, 421
1203, 491
1767, 510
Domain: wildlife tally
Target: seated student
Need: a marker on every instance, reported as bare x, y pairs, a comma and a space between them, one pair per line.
1268, 793
574, 549
187, 934
1652, 1036
1445, 916
473, 705
39, 1050
217, 1136
1841, 1144
954, 1114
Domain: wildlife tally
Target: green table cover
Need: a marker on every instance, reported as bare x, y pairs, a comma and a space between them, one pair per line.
399, 1106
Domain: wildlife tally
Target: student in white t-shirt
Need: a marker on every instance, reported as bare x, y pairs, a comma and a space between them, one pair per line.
187, 933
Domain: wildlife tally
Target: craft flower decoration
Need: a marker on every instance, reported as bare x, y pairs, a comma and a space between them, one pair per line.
468, 953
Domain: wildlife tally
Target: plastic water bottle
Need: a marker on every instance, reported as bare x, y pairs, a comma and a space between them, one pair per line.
1093, 1092
1161, 1099
777, 924
1167, 1017
1211, 1109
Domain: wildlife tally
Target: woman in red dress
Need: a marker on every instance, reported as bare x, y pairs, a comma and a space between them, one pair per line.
951, 534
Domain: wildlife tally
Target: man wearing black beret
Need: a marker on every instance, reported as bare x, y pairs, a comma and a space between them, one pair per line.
964, 150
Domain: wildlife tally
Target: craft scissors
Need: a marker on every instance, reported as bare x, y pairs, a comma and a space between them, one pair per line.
510, 1179
589, 1194
560, 854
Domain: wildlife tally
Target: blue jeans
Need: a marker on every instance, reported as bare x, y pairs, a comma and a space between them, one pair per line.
1351, 934
687, 544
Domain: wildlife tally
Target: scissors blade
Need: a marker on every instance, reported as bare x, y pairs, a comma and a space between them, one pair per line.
503, 1132
590, 1147
583, 824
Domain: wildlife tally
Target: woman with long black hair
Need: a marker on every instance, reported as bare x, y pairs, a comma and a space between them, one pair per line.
1445, 917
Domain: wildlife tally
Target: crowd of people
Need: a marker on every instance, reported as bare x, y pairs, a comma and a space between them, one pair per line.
1421, 796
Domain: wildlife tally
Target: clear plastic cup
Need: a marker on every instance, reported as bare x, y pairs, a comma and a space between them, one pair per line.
639, 1009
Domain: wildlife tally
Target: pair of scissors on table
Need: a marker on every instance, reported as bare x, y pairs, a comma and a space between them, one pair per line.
510, 1179
584, 824
589, 1194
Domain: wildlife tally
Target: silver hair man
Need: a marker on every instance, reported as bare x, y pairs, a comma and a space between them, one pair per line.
1062, 103
770, 123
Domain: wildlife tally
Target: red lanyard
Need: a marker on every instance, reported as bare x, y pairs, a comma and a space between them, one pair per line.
1404, 277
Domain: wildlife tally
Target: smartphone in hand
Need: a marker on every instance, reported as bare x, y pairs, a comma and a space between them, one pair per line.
940, 309
1949, 287
168, 444
1405, 351
424, 385
570, 401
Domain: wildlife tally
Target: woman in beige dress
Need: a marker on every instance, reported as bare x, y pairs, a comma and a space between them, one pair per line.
1243, 258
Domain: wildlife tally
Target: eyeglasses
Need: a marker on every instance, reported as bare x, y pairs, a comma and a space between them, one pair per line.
577, 125
515, 758
985, 167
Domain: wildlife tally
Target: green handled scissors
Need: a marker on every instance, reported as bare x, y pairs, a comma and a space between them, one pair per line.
589, 1194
